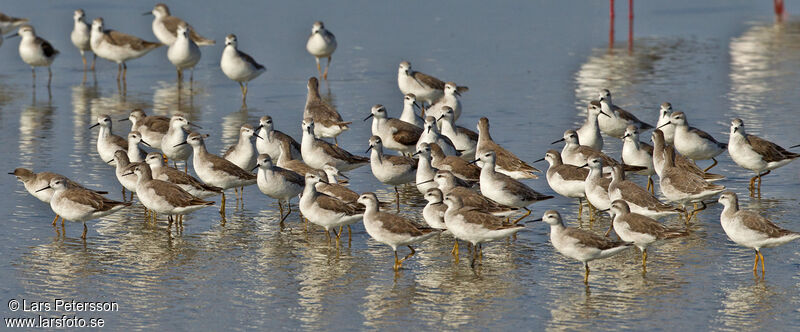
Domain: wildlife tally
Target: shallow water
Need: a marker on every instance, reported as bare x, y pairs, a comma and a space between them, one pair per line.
531, 69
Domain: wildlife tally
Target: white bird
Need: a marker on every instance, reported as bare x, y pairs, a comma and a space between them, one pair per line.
107, 142
80, 204
388, 169
409, 115
473, 225
81, 36
426, 88
618, 119
425, 170
463, 139
321, 44
316, 152
640, 230
239, 66
579, 244
176, 134
664, 113
164, 197
278, 183
434, 211
430, 134
637, 153
755, 153
504, 189
565, 179
324, 210
589, 132
272, 140
749, 229
396, 134
391, 229
182, 179
135, 154
449, 99
118, 47
184, 53
35, 51
694, 143
165, 27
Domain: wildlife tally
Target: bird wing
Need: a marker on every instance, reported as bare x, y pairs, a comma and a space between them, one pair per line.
399, 225
339, 153
592, 240
628, 116
428, 80
121, 39
48, 49
760, 224
404, 132
247, 58
471, 134
705, 135
333, 204
769, 151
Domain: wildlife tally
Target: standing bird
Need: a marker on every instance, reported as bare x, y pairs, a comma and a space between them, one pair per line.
473, 225
164, 197
589, 132
579, 244
640, 230
434, 211
81, 36
79, 204
409, 114
243, 153
184, 53
664, 113
182, 179
683, 187
463, 139
504, 189
448, 99
329, 121
8, 23
272, 140
118, 47
618, 119
507, 163
215, 170
324, 210
637, 153
755, 153
153, 127
391, 229
659, 152
35, 51
426, 88
124, 166
278, 183
165, 27
170, 142
107, 142
316, 152
694, 143
751, 230
35, 181
638, 199
388, 169
321, 44
134, 153
565, 179
431, 134
238, 66
396, 134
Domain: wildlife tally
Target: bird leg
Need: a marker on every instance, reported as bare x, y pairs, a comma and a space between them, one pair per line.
335, 141
49, 76
644, 260
244, 97
119, 71
55, 220
83, 236
93, 60
83, 57
755, 265
407, 256
319, 68
397, 262
124, 72
397, 198
650, 185
325, 75
349, 236
694, 212
180, 77
712, 165
33, 71
523, 216
760, 255
580, 207
454, 252
759, 181
586, 276
222, 205
610, 228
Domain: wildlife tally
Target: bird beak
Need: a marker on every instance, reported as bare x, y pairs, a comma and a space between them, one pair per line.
369, 148
194, 125
126, 174
94, 125
604, 113
429, 129
12, 173
424, 182
474, 161
417, 105
584, 165
110, 161
256, 135
121, 120
560, 140
342, 175
367, 118
606, 210
147, 13
181, 143
669, 122
540, 219
792, 147
254, 168
413, 154
45, 188
259, 127
538, 160
626, 135
440, 117
457, 93
145, 143
12, 36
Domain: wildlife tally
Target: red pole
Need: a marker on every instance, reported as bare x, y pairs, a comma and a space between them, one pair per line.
630, 26
611, 24
778, 10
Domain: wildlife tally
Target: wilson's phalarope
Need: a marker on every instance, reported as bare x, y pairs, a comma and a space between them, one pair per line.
638, 199
463, 139
576, 154
330, 123
321, 44
579, 244
681, 162
35, 181
434, 211
286, 160
638, 229
124, 166
694, 143
409, 115
749, 229
589, 132
755, 153
448, 99
396, 134
459, 167
316, 152
474, 226
448, 184
272, 140
215, 170
152, 128
79, 204
504, 189
391, 229
172, 139
162, 196
566, 180
507, 163
332, 187
618, 119
107, 142
117, 46
430, 134
388, 169
187, 182
243, 153
135, 155
683, 187
664, 113
184, 53
426, 88
35, 51
278, 183
165, 27
596, 186
80, 36
325, 210
8, 23
239, 66
425, 171
637, 153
